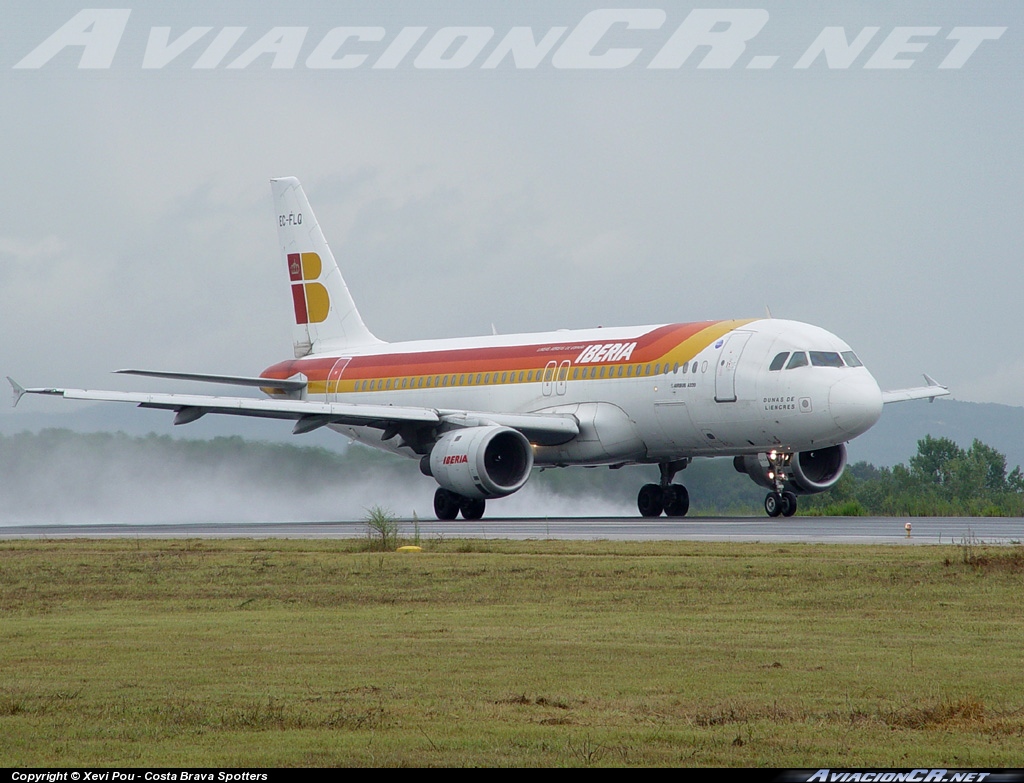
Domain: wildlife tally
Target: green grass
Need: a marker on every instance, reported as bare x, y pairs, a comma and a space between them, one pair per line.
278, 653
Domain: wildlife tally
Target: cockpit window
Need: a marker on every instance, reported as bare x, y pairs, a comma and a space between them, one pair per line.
852, 360
799, 360
779, 361
826, 359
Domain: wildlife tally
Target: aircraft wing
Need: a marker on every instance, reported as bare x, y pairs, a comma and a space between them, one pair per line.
542, 428
930, 392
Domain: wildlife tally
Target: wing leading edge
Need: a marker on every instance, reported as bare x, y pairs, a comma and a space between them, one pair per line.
930, 392
547, 429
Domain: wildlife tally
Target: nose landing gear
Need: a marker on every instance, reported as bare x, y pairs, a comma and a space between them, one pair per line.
779, 501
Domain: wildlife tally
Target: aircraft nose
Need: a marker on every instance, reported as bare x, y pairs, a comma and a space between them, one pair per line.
855, 403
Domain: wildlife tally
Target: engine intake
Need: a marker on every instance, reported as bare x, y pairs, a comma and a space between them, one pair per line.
805, 473
480, 462
818, 470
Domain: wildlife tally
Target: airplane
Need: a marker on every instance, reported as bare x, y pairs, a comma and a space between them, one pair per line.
782, 398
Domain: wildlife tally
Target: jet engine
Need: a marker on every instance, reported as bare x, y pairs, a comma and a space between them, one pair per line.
805, 473
480, 462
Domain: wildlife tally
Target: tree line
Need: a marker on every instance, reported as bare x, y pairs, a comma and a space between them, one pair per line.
942, 479
38, 470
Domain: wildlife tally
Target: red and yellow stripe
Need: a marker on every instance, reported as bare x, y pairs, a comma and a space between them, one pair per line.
656, 351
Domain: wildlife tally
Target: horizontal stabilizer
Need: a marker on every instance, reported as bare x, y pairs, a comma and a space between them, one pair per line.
290, 385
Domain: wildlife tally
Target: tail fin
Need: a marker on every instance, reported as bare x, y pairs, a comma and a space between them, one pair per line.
326, 317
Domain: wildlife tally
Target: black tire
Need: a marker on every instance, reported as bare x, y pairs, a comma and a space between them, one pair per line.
649, 501
676, 500
773, 504
472, 508
446, 504
789, 503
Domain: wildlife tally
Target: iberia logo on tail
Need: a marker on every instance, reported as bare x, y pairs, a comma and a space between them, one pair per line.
312, 303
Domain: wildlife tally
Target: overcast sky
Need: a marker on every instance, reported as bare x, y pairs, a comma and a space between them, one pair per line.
875, 193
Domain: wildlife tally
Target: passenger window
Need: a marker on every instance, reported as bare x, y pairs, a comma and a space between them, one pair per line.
826, 359
405, 383
694, 368
799, 360
779, 361
852, 360
504, 375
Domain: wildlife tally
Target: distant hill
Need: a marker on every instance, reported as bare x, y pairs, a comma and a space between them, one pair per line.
894, 439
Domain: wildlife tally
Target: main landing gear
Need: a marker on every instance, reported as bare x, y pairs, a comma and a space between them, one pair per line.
673, 499
779, 501
448, 505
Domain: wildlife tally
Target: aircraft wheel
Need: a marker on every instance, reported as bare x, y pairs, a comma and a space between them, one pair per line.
649, 501
446, 504
773, 504
788, 504
676, 500
472, 508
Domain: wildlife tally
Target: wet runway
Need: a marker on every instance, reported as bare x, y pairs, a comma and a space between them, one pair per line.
862, 530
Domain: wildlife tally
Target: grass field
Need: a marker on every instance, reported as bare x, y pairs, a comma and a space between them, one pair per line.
278, 653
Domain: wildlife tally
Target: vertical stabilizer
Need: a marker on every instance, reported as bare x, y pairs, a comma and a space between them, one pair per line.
326, 317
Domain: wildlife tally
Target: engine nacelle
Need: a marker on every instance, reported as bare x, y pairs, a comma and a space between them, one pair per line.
480, 462
805, 473
817, 470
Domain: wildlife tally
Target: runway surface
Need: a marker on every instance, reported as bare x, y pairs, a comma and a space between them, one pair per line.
863, 530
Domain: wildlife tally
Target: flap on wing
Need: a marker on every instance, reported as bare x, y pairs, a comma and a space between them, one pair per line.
930, 392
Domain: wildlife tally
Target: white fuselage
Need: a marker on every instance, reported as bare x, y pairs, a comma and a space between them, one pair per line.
699, 392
